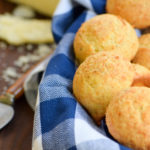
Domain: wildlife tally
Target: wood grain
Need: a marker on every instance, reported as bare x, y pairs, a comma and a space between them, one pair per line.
17, 135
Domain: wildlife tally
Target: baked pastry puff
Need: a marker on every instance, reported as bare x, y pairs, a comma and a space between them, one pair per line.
143, 55
134, 11
98, 79
105, 32
127, 117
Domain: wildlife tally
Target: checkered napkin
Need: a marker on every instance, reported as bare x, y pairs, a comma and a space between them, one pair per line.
60, 122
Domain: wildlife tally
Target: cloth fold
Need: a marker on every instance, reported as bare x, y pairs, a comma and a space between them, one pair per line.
60, 122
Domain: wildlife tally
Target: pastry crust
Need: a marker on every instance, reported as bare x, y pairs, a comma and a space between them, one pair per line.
134, 11
100, 77
143, 55
142, 76
127, 117
140, 70
144, 41
105, 32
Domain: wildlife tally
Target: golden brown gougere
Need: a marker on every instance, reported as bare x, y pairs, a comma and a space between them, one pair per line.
143, 54
127, 117
140, 70
134, 11
105, 32
98, 79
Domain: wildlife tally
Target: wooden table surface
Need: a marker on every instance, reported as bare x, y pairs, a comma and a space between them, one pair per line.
17, 135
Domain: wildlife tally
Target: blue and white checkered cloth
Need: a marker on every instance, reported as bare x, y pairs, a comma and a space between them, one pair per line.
60, 122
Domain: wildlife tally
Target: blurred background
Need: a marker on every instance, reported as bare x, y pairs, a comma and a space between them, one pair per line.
25, 40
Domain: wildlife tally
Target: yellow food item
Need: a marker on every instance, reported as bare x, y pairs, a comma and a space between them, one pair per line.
127, 117
46, 7
140, 70
105, 33
144, 41
142, 76
18, 31
23, 12
134, 11
100, 77
143, 55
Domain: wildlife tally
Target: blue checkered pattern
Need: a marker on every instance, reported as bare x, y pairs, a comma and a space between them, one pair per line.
60, 122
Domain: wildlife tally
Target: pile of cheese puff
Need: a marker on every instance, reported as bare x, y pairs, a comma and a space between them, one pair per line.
113, 77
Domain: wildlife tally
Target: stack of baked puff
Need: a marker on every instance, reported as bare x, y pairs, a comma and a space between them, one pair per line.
113, 76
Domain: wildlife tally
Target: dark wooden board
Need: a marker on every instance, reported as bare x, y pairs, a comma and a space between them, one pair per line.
17, 135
